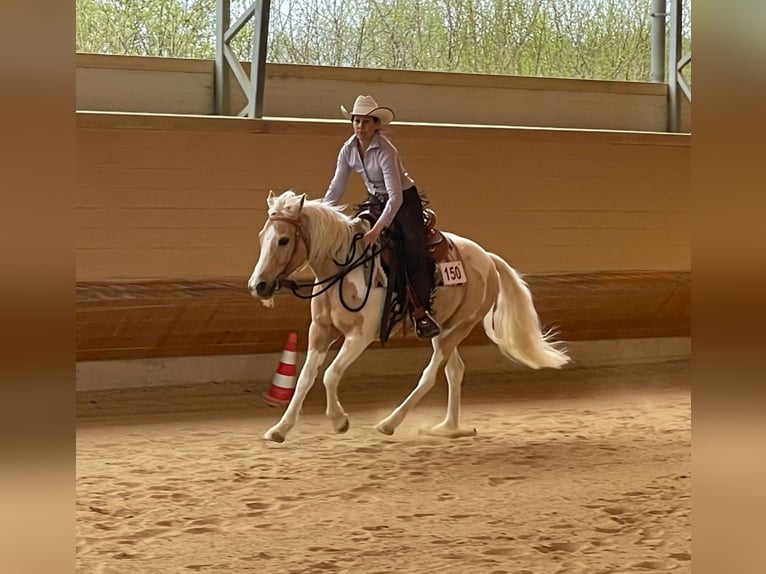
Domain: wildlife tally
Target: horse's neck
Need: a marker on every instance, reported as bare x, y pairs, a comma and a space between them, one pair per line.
322, 261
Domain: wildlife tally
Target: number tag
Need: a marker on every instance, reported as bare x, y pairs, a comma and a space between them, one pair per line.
452, 272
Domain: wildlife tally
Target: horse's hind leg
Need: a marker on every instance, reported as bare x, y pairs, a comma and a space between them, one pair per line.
427, 379
349, 352
450, 426
444, 346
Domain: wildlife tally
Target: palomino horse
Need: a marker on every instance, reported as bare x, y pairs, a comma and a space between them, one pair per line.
299, 232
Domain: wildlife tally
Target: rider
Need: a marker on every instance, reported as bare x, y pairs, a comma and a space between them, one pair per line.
375, 158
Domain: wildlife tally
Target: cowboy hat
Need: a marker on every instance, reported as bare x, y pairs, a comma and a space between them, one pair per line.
367, 106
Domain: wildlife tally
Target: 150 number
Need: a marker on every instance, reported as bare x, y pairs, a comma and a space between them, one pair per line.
452, 272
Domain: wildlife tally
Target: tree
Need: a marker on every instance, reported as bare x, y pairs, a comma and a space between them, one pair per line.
600, 39
171, 28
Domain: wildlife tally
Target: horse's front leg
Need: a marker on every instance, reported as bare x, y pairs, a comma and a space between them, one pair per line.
349, 352
320, 339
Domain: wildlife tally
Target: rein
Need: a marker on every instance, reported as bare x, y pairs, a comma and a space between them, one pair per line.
346, 267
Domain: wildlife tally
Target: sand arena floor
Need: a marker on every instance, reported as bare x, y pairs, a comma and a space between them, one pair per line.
580, 471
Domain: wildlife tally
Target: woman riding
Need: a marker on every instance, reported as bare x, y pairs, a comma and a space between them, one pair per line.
376, 159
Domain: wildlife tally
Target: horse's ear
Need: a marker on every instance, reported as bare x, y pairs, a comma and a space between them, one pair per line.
271, 198
303, 198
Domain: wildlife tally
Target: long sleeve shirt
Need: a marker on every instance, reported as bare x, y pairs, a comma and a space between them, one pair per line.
382, 171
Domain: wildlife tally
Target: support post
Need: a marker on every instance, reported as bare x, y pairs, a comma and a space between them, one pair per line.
258, 61
674, 100
222, 22
658, 31
226, 60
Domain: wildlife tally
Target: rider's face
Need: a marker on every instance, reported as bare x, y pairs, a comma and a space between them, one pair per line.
364, 126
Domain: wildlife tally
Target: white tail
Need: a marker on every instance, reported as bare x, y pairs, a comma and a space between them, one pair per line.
513, 325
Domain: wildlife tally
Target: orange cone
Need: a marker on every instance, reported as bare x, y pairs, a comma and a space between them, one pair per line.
283, 384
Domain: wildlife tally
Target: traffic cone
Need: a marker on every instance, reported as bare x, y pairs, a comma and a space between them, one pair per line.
283, 384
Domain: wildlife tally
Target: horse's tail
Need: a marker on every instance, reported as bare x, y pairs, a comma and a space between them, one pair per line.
513, 325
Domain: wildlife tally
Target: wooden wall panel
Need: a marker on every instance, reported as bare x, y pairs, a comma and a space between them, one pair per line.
184, 318
166, 85
184, 198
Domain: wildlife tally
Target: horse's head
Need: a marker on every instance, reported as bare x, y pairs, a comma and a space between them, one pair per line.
283, 244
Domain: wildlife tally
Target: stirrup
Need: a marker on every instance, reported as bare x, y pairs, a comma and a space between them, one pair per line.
426, 327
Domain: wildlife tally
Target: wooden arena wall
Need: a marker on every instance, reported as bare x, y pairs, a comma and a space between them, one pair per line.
169, 209
167, 85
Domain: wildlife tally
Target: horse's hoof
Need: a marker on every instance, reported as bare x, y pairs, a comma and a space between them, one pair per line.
343, 427
384, 429
274, 436
447, 432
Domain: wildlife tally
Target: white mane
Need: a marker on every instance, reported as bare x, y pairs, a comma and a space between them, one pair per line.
328, 228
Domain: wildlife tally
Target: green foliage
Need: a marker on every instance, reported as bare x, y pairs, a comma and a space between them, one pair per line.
170, 28
601, 39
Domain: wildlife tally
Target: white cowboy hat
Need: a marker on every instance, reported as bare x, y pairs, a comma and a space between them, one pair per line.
367, 106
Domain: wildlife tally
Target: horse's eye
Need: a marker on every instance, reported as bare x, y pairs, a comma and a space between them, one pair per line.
283, 241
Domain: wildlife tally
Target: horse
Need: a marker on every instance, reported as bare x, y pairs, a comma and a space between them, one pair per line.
348, 300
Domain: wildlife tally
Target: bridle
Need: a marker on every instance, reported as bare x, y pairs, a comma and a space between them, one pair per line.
298, 235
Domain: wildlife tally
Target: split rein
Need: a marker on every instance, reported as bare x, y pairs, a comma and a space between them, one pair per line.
346, 266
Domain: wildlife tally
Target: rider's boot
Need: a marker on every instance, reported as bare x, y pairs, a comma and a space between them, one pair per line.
425, 325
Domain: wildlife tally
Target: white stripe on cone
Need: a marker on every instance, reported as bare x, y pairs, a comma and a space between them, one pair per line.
283, 381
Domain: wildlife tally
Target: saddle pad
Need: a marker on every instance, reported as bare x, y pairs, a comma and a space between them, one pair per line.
452, 255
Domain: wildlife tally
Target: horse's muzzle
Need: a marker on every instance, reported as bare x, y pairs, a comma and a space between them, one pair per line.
262, 289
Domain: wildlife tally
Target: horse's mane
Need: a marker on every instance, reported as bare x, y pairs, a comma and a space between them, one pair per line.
329, 228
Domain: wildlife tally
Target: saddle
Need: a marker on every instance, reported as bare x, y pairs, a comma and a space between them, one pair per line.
398, 299
438, 246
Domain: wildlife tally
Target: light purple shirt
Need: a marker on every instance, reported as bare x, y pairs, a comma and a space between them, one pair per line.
382, 171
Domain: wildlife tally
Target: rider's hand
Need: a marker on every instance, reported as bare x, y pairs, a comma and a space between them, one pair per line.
372, 235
